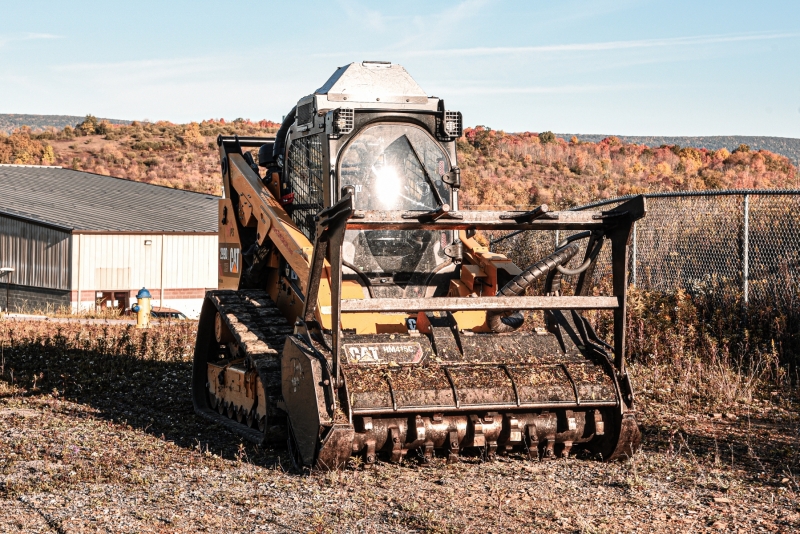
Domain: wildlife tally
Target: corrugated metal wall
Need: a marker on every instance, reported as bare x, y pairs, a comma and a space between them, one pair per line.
125, 262
191, 261
40, 255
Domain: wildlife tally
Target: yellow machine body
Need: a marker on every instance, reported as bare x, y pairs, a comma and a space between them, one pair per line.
358, 314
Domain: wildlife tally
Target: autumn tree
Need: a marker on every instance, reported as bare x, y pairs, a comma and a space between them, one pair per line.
547, 137
191, 135
20, 148
88, 126
103, 128
505, 170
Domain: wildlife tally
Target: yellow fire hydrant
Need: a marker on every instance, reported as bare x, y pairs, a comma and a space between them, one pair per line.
142, 308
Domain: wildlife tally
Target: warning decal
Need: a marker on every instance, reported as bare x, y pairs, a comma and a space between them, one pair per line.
383, 352
229, 260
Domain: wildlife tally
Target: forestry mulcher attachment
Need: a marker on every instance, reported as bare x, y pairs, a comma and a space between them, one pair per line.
358, 315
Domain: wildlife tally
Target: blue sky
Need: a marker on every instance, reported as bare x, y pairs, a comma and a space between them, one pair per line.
626, 67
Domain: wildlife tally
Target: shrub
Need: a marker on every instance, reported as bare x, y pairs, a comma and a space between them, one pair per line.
103, 128
547, 137
88, 126
21, 148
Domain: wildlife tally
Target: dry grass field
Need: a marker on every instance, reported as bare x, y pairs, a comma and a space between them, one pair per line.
97, 434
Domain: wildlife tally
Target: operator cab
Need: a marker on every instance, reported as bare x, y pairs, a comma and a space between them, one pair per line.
370, 127
395, 167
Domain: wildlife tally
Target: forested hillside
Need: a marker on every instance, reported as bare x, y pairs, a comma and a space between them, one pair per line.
13, 121
183, 156
501, 169
498, 169
785, 146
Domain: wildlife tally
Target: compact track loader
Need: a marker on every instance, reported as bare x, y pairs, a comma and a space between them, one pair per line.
358, 315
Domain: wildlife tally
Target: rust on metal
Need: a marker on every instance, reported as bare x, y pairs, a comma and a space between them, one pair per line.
465, 220
572, 382
513, 383
453, 387
452, 304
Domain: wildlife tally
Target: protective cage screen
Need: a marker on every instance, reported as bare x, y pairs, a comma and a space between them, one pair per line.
304, 167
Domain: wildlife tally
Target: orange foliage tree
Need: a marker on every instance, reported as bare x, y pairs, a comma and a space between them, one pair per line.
20, 148
506, 170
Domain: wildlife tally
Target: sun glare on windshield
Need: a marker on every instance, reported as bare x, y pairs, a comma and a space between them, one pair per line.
395, 167
387, 185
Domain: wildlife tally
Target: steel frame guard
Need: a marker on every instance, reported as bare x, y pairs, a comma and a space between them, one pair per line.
332, 223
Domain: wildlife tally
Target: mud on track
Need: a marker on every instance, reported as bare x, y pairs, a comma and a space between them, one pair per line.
97, 434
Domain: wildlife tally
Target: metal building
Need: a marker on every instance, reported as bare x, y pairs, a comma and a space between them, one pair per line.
82, 240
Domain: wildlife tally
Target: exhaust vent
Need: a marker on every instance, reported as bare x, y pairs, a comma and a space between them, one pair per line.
305, 112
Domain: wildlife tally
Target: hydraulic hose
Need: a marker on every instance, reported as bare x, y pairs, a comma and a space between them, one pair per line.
508, 321
361, 276
280, 138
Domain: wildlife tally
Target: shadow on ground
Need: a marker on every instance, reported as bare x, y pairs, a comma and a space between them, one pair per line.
150, 395
767, 448
154, 396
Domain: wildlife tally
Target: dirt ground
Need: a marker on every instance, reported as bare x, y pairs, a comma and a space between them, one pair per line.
100, 443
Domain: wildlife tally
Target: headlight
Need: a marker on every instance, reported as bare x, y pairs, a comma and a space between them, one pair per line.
451, 125
343, 121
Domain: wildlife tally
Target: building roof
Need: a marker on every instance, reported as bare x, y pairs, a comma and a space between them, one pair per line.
82, 201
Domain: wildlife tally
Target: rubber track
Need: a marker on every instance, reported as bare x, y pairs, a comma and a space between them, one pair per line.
260, 330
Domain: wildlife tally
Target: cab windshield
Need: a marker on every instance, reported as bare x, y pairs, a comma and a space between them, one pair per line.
396, 167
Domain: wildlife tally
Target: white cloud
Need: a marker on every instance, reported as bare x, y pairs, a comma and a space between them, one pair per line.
600, 46
5, 39
29, 36
374, 20
431, 28
538, 89
144, 64
149, 70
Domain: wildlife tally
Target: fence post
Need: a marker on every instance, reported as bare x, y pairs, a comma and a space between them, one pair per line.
746, 250
633, 254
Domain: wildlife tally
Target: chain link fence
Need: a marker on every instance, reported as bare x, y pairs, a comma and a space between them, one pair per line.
743, 242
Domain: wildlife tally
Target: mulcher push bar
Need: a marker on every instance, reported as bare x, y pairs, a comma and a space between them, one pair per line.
495, 220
